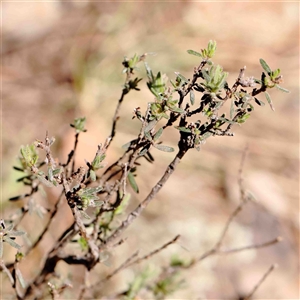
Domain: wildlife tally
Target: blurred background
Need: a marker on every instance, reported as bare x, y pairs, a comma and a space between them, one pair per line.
62, 60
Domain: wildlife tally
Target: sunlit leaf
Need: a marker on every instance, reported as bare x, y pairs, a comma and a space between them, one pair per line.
11, 242
192, 97
192, 52
177, 109
84, 214
282, 89
121, 208
183, 129
21, 279
158, 134
181, 77
269, 100
150, 125
132, 182
265, 66
164, 148
93, 175
46, 182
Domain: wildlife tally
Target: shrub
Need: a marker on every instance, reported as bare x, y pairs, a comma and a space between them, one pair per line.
197, 108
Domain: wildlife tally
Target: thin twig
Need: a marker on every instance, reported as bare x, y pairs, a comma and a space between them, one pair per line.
229, 221
124, 265
254, 246
240, 177
261, 281
7, 272
147, 256
138, 210
116, 117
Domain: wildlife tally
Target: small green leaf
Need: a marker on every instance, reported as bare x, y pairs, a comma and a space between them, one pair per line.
282, 89
206, 75
148, 136
92, 175
225, 120
21, 279
243, 118
150, 126
83, 243
84, 215
158, 134
132, 182
127, 145
11, 242
43, 180
164, 148
177, 109
192, 97
192, 52
96, 163
183, 129
182, 78
265, 66
79, 124
269, 100
121, 208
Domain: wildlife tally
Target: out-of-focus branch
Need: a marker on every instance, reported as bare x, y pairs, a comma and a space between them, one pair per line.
264, 277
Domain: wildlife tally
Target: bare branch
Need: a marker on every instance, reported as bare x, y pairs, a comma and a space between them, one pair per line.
135, 213
271, 269
147, 256
250, 247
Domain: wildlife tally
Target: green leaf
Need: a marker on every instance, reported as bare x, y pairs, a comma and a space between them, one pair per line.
29, 154
96, 163
11, 242
158, 134
183, 129
164, 148
206, 75
92, 175
127, 145
192, 52
84, 215
43, 180
243, 118
282, 89
225, 120
176, 109
182, 78
265, 66
192, 97
21, 279
269, 100
148, 136
150, 125
132, 182
83, 243
121, 208
16, 233
79, 124
57, 171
